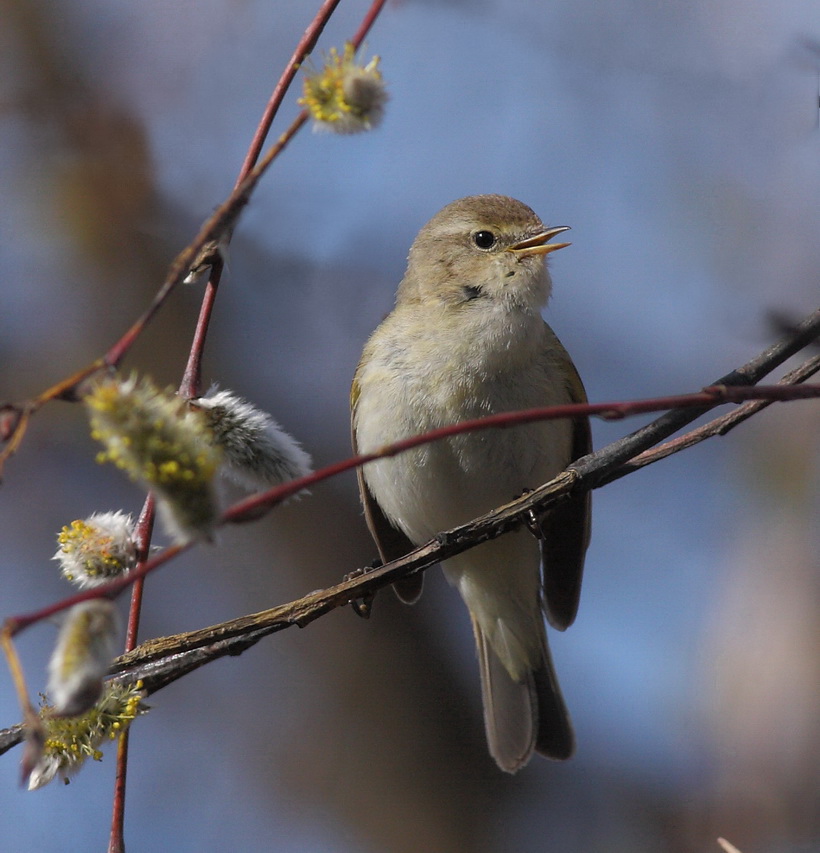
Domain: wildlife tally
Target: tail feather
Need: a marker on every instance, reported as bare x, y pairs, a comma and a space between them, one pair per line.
555, 738
522, 716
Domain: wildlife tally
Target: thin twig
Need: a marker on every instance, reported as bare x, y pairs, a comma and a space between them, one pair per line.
215, 231
161, 661
190, 385
723, 424
305, 46
143, 533
586, 472
116, 837
805, 333
367, 23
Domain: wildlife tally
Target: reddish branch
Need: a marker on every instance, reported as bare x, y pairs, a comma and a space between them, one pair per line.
209, 242
164, 660
204, 250
597, 463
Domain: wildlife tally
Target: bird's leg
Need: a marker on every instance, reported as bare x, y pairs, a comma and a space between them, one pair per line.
531, 519
362, 606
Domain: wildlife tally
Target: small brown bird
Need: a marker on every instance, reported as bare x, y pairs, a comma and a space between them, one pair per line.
466, 339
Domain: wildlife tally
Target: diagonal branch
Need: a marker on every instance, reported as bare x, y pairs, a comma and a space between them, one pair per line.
805, 333
722, 425
203, 251
161, 661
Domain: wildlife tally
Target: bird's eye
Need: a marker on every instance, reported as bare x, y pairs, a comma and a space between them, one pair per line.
484, 239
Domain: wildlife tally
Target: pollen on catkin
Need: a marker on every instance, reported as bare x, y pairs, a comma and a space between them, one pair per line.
68, 741
160, 441
344, 96
97, 549
84, 650
256, 452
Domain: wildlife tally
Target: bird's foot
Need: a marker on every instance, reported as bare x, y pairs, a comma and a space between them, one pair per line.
530, 518
364, 605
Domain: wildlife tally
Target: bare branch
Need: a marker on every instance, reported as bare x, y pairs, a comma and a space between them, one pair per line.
215, 231
723, 424
804, 334
161, 661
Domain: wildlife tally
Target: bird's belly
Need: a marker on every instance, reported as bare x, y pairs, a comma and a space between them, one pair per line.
450, 482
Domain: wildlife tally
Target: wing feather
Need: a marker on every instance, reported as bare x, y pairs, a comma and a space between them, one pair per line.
565, 529
391, 542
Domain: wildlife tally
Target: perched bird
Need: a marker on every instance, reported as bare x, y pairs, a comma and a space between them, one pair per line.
466, 339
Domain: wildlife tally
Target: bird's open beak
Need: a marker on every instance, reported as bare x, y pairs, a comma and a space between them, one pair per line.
538, 245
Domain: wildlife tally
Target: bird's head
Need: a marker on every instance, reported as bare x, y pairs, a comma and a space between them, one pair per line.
486, 247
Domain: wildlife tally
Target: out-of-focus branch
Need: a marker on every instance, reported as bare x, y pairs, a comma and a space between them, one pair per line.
305, 46
203, 251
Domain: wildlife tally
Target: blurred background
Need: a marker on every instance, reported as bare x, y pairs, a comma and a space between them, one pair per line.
680, 141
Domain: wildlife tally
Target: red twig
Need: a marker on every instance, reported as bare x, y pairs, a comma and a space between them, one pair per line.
305, 46
250, 508
15, 624
145, 529
367, 22
116, 837
257, 505
190, 385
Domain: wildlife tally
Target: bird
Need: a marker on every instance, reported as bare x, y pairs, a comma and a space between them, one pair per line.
466, 339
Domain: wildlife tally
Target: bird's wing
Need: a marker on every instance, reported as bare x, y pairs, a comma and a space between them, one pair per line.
390, 541
565, 528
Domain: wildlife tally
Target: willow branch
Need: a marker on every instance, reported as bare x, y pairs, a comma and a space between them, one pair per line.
586, 472
204, 251
805, 333
722, 425
209, 254
161, 661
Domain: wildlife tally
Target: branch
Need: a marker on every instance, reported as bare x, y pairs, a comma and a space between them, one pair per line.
621, 451
722, 425
161, 661
203, 251
210, 253
588, 473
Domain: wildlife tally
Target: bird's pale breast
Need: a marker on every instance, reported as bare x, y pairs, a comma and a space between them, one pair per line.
405, 390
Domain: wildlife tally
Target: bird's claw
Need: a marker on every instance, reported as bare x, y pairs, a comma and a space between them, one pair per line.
531, 519
363, 606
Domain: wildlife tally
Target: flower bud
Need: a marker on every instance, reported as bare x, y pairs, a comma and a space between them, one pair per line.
84, 651
96, 550
344, 97
157, 439
256, 452
66, 742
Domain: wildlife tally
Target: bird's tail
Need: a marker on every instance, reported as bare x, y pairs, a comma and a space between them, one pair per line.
525, 715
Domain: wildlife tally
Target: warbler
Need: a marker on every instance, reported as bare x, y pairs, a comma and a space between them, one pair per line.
466, 339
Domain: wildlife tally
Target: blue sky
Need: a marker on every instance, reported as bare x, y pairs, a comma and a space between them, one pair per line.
680, 142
